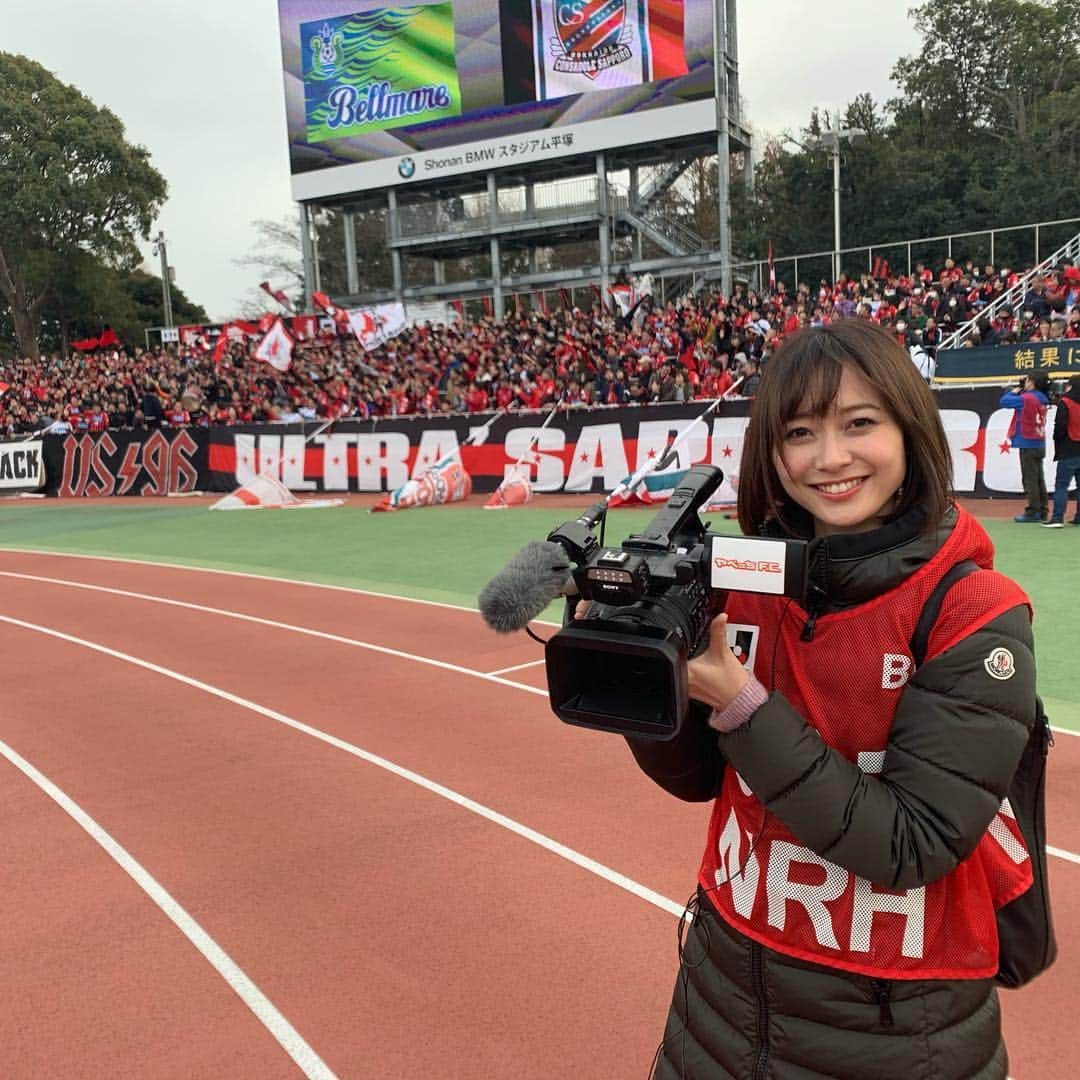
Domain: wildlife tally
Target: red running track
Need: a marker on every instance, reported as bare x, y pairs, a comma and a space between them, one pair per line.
399, 933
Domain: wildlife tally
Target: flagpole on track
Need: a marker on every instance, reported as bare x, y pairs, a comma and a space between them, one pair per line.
629, 483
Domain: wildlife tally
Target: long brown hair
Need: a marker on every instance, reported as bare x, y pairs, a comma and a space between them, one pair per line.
804, 377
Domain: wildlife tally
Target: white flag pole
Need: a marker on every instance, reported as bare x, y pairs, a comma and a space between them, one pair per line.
631, 482
536, 437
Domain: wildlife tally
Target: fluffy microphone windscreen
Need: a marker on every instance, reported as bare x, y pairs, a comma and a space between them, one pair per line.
516, 595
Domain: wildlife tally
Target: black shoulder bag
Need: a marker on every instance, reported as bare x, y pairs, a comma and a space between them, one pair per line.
1026, 943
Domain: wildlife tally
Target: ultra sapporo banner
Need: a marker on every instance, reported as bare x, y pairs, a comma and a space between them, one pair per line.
583, 451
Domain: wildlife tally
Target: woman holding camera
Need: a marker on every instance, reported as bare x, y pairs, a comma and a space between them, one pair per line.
845, 917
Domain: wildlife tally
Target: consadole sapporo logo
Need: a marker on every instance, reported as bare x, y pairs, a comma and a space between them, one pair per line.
385, 68
592, 35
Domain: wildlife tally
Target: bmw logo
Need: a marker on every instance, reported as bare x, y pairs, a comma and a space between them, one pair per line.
406, 167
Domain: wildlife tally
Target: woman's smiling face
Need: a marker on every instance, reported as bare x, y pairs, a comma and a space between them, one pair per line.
845, 466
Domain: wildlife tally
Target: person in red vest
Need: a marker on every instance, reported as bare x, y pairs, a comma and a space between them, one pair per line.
1027, 433
844, 924
1067, 452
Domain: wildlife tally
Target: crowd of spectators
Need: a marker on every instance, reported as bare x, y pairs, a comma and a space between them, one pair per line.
699, 347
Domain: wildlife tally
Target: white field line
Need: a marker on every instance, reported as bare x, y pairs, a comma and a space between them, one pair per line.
516, 667
159, 564
247, 574
1061, 853
308, 631
337, 638
532, 835
287, 1036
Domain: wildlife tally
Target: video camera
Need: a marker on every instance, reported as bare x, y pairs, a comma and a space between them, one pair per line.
623, 667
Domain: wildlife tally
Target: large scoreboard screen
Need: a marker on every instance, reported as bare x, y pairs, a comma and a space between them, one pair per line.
379, 95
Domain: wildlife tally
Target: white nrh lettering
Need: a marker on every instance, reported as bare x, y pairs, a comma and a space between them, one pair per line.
868, 901
895, 670
780, 888
742, 879
1004, 836
871, 761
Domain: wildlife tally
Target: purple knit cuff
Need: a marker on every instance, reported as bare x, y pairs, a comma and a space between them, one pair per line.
748, 700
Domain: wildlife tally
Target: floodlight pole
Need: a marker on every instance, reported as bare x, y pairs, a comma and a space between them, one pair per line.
723, 150
166, 284
830, 141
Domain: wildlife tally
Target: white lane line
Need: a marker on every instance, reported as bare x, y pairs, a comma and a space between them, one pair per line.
546, 842
248, 575
292, 628
163, 564
488, 677
516, 667
287, 1036
1061, 853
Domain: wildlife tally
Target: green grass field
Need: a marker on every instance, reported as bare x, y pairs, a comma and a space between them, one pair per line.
447, 554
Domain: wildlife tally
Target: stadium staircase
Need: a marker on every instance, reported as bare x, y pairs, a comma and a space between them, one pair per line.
1013, 299
666, 232
645, 213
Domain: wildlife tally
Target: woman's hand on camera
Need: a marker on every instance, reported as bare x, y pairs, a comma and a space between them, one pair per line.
716, 676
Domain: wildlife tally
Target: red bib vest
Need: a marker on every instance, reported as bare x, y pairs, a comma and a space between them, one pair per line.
847, 683
1033, 418
1073, 409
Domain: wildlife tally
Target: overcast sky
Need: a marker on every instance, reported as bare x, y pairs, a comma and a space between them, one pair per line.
198, 82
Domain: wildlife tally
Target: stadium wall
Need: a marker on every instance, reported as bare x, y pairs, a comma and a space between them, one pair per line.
588, 450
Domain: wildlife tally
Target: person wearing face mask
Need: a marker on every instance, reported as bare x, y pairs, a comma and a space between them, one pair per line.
844, 920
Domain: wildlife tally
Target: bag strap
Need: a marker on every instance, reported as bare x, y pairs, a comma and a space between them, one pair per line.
932, 608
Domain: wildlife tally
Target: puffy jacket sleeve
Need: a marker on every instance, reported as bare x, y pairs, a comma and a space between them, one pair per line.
690, 766
953, 747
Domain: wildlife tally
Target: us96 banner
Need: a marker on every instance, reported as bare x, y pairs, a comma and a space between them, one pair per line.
380, 93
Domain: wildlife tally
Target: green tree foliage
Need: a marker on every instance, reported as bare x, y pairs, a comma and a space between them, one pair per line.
86, 295
985, 132
71, 187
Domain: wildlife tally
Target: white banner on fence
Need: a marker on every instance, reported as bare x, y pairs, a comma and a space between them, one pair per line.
21, 465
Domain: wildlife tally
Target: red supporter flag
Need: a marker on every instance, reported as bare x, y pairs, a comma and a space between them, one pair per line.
108, 337
323, 301
772, 268
276, 348
221, 344
278, 295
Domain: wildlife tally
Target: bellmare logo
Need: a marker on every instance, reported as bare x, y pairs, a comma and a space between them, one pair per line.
406, 168
325, 46
379, 69
379, 101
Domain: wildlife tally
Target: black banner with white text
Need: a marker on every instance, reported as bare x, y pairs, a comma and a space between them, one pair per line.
583, 451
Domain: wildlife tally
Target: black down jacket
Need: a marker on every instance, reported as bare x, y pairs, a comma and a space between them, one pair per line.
743, 1011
